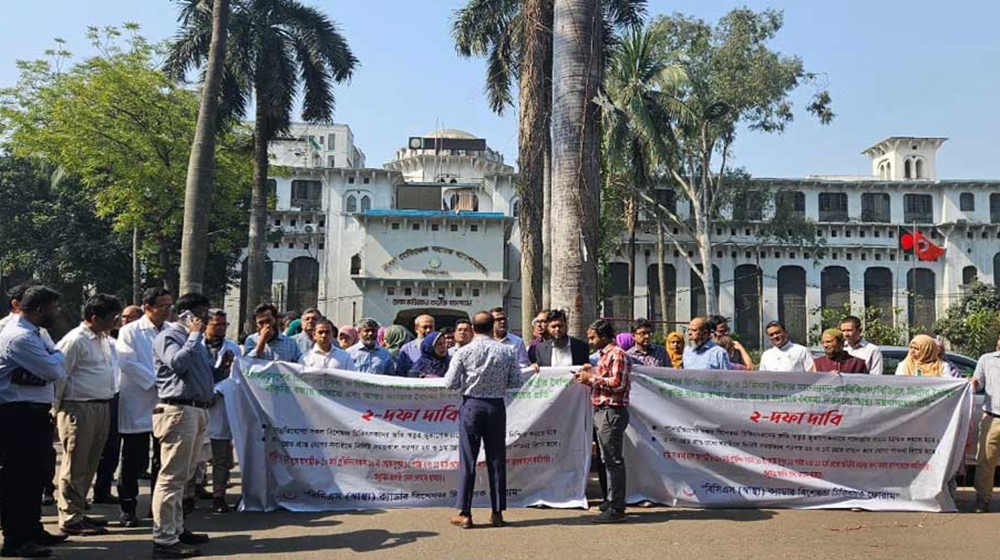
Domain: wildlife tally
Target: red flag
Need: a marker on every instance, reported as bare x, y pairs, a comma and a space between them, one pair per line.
924, 249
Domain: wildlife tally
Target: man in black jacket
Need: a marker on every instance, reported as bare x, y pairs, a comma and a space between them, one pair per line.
563, 350
560, 349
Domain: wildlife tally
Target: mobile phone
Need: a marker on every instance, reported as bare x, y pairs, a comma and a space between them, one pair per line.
185, 318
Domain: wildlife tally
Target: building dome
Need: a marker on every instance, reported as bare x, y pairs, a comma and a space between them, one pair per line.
450, 133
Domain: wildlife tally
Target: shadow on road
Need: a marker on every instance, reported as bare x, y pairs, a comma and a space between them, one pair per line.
366, 540
640, 516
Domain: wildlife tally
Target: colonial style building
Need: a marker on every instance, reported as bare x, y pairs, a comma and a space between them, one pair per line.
860, 220
433, 231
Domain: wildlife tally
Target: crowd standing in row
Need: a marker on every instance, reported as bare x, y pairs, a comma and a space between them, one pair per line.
127, 382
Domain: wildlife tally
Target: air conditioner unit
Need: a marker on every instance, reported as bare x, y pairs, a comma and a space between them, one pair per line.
308, 229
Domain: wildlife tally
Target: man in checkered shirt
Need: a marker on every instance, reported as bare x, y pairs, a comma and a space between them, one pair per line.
609, 384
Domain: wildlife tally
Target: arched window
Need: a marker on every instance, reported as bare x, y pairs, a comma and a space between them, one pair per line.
515, 208
967, 202
792, 300
352, 204
653, 282
918, 168
835, 289
303, 283
969, 275
356, 265
921, 303
366, 203
888, 170
878, 291
747, 304
906, 169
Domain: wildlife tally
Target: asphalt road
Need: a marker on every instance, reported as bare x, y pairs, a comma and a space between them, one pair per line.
650, 533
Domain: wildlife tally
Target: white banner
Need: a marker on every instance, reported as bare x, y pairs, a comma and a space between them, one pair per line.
311, 440
802, 440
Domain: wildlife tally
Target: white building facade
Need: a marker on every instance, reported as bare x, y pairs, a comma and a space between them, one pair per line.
433, 231
860, 220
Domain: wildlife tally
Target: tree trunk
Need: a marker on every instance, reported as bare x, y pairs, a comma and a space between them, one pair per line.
576, 77
633, 218
707, 274
170, 279
201, 162
136, 268
257, 252
661, 271
533, 127
547, 211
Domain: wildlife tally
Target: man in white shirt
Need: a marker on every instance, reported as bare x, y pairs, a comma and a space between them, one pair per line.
784, 355
859, 347
83, 413
463, 335
138, 396
511, 340
325, 354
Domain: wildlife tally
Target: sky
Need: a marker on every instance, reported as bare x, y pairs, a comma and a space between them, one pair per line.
893, 67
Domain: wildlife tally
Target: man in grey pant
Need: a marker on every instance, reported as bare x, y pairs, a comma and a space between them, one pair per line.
185, 386
609, 384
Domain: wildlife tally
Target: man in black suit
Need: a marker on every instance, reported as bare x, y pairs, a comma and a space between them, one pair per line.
560, 349
563, 350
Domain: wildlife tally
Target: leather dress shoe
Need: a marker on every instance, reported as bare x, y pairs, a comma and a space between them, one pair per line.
187, 537
463, 521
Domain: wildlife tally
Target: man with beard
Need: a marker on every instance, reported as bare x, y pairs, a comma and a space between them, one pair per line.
560, 349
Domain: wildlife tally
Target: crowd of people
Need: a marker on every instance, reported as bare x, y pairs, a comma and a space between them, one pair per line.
133, 390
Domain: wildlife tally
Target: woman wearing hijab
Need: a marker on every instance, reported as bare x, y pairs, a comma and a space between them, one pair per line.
380, 337
434, 357
347, 336
625, 340
924, 360
395, 337
675, 349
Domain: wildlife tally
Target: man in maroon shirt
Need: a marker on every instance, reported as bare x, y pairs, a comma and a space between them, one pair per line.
609, 384
837, 360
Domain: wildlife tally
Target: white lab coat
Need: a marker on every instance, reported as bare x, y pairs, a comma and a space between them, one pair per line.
137, 387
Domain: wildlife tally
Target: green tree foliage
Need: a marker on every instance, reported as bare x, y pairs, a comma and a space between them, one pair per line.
124, 129
51, 234
973, 324
732, 81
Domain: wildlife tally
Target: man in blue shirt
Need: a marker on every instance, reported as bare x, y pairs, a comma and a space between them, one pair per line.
29, 366
701, 352
368, 356
269, 343
185, 384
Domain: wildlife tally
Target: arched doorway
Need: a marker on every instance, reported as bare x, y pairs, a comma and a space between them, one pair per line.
835, 289
792, 301
921, 301
654, 308
878, 292
746, 322
303, 283
698, 301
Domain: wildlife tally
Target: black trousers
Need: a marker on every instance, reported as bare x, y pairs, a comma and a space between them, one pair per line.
135, 461
482, 421
109, 457
49, 485
25, 440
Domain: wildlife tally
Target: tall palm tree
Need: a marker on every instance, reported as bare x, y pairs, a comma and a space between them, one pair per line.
198, 187
576, 78
636, 107
515, 36
275, 48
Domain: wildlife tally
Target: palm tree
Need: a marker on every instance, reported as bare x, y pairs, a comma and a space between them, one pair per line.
636, 101
275, 47
198, 187
515, 36
576, 78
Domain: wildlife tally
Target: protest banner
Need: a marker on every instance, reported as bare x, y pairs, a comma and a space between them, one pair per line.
802, 440
311, 440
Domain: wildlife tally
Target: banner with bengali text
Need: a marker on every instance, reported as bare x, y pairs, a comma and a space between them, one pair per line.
312, 440
799, 440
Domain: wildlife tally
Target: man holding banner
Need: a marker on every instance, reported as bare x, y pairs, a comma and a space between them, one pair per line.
610, 382
482, 371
